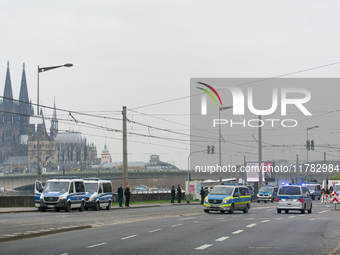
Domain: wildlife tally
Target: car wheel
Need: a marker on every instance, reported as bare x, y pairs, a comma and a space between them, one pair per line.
246, 210
319, 197
258, 201
272, 200
86, 208
286, 211
57, 209
265, 201
278, 211
108, 207
68, 207
231, 210
313, 197
206, 211
81, 208
222, 212
303, 210
42, 209
310, 210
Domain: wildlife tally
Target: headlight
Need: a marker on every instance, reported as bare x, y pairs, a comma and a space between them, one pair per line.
42, 197
63, 197
269, 195
206, 200
226, 201
258, 195
92, 198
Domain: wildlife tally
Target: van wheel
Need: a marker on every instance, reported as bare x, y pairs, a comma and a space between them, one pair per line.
68, 207
278, 211
231, 210
272, 200
97, 207
246, 210
310, 210
57, 209
206, 211
81, 208
42, 209
86, 208
108, 207
265, 201
286, 211
222, 212
258, 201
303, 210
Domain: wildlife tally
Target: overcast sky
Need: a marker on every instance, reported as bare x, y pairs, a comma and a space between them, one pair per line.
137, 53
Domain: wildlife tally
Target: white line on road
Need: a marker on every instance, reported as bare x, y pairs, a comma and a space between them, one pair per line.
291, 216
265, 221
311, 219
237, 232
190, 218
64, 254
279, 218
249, 219
251, 225
203, 247
155, 230
95, 245
323, 211
222, 238
176, 225
128, 237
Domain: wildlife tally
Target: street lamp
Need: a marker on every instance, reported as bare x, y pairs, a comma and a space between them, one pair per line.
40, 70
220, 108
309, 128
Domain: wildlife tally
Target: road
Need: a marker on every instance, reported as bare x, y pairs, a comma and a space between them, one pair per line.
181, 229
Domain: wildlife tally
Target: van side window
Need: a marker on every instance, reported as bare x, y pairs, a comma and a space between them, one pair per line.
79, 187
305, 190
107, 188
317, 187
236, 193
71, 188
275, 190
100, 188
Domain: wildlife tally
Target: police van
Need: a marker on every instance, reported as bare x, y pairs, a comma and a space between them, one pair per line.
314, 190
228, 198
267, 193
98, 193
60, 192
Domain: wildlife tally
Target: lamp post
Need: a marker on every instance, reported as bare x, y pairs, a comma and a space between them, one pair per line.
220, 108
187, 186
40, 70
309, 128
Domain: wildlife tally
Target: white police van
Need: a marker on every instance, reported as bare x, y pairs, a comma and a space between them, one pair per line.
98, 193
60, 192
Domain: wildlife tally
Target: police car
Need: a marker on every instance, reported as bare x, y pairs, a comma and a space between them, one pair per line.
228, 198
267, 193
314, 190
60, 192
98, 193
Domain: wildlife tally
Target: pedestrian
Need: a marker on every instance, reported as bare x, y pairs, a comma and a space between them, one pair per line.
179, 193
127, 196
331, 188
173, 194
326, 190
120, 195
202, 193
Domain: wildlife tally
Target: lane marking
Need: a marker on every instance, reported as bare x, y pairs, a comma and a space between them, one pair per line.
291, 216
95, 245
176, 225
311, 219
128, 237
279, 218
203, 247
249, 219
251, 225
323, 211
155, 230
237, 232
64, 254
222, 238
265, 221
190, 218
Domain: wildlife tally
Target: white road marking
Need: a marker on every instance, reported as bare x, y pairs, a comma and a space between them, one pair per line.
95, 245
203, 247
311, 219
64, 254
265, 221
176, 225
251, 225
237, 232
279, 218
323, 211
291, 216
249, 219
128, 237
301, 215
155, 230
190, 218
222, 238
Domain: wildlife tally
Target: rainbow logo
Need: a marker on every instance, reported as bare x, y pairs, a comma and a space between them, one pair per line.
204, 99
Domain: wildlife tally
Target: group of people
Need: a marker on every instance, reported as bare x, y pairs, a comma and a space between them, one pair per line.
173, 194
327, 191
127, 195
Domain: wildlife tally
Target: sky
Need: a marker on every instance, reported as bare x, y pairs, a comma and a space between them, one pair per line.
142, 54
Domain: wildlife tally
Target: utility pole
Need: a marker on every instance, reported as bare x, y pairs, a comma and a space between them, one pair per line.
324, 161
125, 160
297, 169
260, 152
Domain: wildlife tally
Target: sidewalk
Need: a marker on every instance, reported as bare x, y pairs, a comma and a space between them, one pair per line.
33, 209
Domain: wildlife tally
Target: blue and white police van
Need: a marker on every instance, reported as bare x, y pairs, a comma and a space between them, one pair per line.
267, 193
60, 193
98, 193
314, 190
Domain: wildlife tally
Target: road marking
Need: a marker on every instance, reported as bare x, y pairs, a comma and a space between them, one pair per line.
95, 245
323, 211
237, 232
291, 216
279, 218
64, 254
128, 237
251, 225
155, 230
203, 247
249, 219
236, 216
311, 219
176, 225
190, 218
265, 221
222, 238
328, 206
301, 215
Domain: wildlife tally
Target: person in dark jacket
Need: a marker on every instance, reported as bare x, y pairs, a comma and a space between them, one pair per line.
202, 193
179, 193
173, 194
127, 196
120, 195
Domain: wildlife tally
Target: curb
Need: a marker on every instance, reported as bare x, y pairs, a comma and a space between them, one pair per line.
23, 211
40, 234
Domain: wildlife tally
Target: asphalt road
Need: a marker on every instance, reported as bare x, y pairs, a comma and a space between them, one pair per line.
183, 229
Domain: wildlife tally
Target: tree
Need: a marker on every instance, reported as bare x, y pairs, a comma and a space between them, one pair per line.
335, 176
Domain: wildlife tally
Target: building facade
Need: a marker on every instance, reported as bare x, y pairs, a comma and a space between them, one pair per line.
106, 157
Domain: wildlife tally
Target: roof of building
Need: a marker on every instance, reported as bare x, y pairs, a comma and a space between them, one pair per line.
69, 137
22, 160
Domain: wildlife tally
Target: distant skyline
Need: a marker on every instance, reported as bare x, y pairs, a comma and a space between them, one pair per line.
136, 54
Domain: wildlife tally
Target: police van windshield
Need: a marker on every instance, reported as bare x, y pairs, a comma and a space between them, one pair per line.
336, 188
56, 187
222, 191
266, 189
91, 187
287, 190
310, 187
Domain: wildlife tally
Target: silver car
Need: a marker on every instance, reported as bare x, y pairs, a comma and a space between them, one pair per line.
294, 197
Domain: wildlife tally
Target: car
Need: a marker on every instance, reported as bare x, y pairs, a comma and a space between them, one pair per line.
98, 193
314, 190
60, 193
228, 198
251, 190
293, 197
336, 189
267, 193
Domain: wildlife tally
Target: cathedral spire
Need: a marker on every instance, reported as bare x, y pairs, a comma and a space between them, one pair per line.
8, 94
54, 121
23, 96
